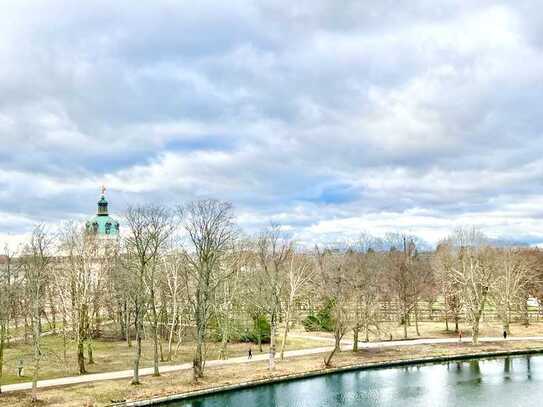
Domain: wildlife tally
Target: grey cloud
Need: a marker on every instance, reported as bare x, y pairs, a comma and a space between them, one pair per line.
302, 113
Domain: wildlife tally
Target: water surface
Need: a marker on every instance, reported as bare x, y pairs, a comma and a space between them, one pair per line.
507, 382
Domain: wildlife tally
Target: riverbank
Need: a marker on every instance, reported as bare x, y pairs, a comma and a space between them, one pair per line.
321, 372
232, 376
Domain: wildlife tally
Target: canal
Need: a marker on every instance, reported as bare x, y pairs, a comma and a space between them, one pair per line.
508, 382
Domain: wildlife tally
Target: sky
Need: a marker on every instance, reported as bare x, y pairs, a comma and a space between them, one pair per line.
328, 117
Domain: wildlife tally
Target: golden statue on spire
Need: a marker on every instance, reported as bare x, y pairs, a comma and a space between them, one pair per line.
103, 189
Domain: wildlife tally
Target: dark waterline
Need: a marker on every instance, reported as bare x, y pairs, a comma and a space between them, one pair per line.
508, 382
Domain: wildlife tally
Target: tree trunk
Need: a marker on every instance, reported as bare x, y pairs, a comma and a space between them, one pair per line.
81, 334
179, 339
525, 314
405, 326
161, 350
271, 361
34, 395
223, 350
137, 353
170, 335
337, 348
156, 372
475, 330
127, 323
285, 333
259, 334
121, 320
170, 341
53, 313
156, 339
355, 338
89, 351
37, 353
26, 329
417, 318
198, 361
64, 342
81, 356
2, 342
17, 326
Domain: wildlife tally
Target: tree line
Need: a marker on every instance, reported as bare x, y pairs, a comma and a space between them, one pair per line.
191, 272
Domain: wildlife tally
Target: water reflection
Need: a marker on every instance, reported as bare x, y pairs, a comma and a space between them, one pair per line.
509, 381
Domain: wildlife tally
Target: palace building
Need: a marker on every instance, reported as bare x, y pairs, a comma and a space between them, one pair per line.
103, 225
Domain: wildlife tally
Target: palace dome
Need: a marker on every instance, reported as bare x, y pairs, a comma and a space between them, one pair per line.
102, 224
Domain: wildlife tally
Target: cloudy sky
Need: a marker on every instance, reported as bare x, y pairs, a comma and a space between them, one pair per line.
330, 117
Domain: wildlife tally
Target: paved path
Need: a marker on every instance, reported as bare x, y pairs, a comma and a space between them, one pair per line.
126, 374
423, 341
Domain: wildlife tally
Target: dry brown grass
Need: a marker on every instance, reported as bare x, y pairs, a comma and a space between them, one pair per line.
112, 356
102, 393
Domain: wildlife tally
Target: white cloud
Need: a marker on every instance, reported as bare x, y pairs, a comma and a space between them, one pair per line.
331, 120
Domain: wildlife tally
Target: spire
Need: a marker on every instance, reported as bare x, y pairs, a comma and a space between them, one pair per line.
102, 203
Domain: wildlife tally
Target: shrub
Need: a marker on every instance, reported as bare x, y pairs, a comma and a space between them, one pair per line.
311, 323
261, 326
322, 320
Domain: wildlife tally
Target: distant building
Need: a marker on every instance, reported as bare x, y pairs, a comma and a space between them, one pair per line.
103, 225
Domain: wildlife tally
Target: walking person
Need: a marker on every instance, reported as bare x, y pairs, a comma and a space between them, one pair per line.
250, 356
20, 367
504, 334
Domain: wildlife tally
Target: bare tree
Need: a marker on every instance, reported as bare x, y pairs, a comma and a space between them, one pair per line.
6, 301
401, 277
62, 288
273, 253
173, 267
513, 278
10, 283
299, 272
117, 296
211, 232
255, 293
364, 273
422, 283
334, 287
534, 257
80, 250
36, 263
228, 296
442, 263
149, 228
473, 273
4, 319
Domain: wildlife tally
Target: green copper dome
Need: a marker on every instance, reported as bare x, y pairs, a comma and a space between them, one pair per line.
102, 224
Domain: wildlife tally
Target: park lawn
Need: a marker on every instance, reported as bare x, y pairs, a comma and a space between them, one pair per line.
18, 333
436, 330
110, 355
103, 393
